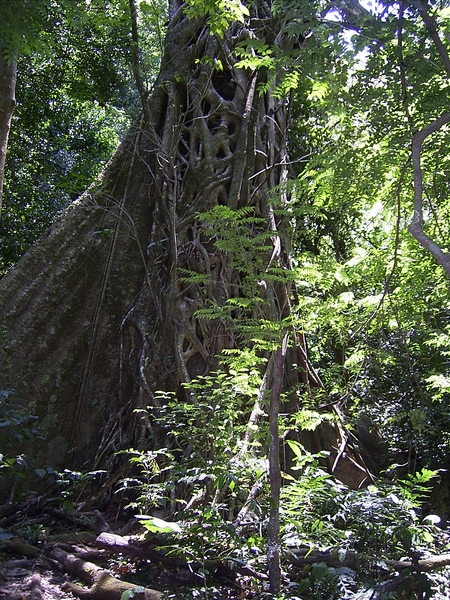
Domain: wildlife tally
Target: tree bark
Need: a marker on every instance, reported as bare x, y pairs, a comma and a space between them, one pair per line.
273, 534
356, 560
417, 223
8, 73
102, 585
129, 546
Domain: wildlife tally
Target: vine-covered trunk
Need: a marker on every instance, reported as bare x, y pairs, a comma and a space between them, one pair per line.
96, 316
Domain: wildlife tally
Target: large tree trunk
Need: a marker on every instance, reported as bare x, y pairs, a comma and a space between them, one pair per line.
95, 317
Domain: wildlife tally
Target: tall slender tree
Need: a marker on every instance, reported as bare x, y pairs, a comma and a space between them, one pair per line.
21, 22
41, 28
8, 75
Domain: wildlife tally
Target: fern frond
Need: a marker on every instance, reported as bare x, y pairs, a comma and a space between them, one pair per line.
193, 277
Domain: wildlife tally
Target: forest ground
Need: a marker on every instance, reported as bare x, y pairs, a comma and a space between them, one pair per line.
46, 552
43, 554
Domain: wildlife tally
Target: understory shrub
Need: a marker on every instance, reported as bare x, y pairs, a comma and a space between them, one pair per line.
193, 493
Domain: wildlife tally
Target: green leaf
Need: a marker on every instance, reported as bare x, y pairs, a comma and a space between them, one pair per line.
319, 91
296, 448
318, 571
156, 525
426, 475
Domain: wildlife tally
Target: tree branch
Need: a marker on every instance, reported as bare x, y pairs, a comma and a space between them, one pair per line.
416, 226
430, 24
355, 560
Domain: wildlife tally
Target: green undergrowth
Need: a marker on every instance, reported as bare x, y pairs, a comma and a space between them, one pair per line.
383, 521
205, 499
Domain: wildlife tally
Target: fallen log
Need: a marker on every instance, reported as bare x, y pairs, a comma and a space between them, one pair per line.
23, 563
354, 560
19, 547
7, 510
102, 585
129, 546
93, 521
118, 544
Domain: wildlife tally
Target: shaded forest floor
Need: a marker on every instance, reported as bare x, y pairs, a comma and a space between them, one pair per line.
50, 554
21, 581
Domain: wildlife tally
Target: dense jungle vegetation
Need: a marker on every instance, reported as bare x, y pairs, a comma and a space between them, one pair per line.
336, 486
